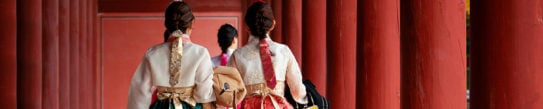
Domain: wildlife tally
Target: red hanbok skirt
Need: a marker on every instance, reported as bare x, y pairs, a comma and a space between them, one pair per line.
257, 102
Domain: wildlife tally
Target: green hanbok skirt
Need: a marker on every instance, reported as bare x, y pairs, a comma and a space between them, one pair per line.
168, 104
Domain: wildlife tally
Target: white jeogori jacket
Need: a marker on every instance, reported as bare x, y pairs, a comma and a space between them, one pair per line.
153, 71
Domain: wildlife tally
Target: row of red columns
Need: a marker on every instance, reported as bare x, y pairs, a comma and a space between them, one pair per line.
49, 54
353, 48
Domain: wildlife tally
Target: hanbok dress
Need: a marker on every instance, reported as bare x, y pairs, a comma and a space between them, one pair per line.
176, 75
248, 60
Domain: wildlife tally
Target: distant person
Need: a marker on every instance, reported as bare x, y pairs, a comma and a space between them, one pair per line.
228, 41
266, 66
177, 73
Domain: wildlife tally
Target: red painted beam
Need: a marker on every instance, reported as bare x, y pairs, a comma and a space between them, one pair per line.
506, 55
29, 54
433, 54
74, 54
50, 46
107, 6
292, 27
341, 37
64, 54
378, 77
8, 45
314, 43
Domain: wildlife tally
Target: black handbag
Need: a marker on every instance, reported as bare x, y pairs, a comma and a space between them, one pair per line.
314, 98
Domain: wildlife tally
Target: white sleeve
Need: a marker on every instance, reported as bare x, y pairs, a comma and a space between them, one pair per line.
203, 92
140, 92
294, 79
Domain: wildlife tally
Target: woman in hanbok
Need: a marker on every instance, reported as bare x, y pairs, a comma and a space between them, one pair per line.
228, 41
266, 66
176, 74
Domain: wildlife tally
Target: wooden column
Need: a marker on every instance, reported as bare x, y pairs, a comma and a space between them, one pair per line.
94, 42
74, 54
64, 54
89, 72
83, 64
378, 77
277, 7
245, 32
50, 46
433, 54
8, 45
292, 27
341, 57
29, 54
96, 56
506, 54
314, 43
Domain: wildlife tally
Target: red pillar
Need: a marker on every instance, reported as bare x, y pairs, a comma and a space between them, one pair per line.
8, 45
341, 37
74, 54
64, 54
277, 7
506, 55
245, 31
292, 30
314, 43
29, 54
94, 87
83, 64
96, 56
50, 54
89, 73
433, 54
378, 58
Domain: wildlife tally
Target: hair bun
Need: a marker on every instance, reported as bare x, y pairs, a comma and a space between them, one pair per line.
178, 16
259, 18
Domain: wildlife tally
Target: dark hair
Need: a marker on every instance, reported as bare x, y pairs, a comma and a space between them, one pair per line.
178, 16
259, 18
226, 35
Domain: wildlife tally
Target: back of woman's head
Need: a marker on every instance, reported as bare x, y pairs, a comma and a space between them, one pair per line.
226, 36
259, 18
178, 16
